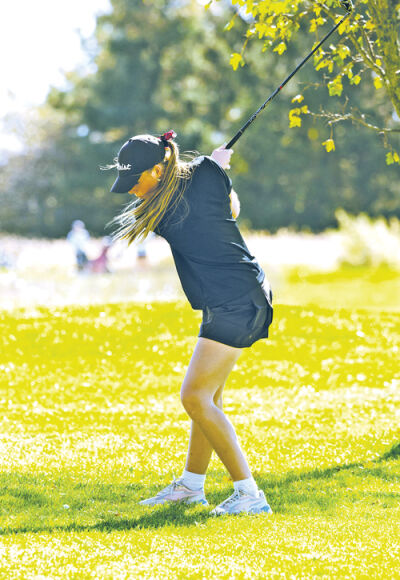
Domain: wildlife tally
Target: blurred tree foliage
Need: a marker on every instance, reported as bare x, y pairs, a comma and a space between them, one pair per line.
163, 64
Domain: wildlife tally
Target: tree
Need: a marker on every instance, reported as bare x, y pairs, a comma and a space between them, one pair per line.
163, 65
157, 65
366, 51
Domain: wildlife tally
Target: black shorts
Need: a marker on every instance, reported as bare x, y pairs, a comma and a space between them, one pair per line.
242, 321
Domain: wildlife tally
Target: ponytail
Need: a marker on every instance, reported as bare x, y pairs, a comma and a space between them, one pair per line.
142, 216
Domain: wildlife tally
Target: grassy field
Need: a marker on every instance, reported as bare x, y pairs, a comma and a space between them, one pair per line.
91, 423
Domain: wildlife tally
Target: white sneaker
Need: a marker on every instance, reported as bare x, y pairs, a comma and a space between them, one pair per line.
242, 502
176, 492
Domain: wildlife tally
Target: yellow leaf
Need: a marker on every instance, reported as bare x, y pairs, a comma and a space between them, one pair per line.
280, 49
329, 145
294, 119
230, 24
294, 122
392, 157
315, 22
262, 29
344, 27
304, 110
235, 60
378, 82
322, 64
355, 80
389, 158
378, 62
335, 86
343, 51
298, 99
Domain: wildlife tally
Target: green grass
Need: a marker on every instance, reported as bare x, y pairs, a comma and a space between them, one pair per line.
91, 422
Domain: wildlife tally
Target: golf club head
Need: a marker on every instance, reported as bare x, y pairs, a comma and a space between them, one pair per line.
347, 5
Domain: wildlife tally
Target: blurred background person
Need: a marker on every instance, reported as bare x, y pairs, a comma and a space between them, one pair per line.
78, 237
5, 260
141, 254
100, 264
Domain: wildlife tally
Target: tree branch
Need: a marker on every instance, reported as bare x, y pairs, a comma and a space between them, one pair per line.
368, 58
359, 120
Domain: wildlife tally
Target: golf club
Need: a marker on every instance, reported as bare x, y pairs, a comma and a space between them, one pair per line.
348, 6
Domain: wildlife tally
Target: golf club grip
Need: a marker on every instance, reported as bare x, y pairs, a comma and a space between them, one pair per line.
237, 136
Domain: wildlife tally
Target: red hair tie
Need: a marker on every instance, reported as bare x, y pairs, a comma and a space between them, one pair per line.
165, 137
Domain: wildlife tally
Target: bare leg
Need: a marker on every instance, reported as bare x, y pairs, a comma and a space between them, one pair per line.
200, 450
209, 368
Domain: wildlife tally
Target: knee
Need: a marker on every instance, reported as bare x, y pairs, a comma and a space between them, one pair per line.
218, 401
194, 402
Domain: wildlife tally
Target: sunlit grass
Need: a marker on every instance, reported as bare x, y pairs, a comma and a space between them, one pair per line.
348, 287
91, 422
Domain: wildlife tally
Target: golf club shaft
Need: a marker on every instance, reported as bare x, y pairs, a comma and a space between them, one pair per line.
278, 89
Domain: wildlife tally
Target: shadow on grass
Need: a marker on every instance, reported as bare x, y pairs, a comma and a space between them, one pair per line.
393, 453
162, 516
34, 503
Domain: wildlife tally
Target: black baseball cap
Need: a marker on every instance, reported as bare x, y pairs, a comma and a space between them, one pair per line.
135, 156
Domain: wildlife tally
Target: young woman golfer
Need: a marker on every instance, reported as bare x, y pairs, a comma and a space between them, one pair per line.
192, 205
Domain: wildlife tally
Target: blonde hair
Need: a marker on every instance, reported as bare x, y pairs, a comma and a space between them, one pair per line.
142, 216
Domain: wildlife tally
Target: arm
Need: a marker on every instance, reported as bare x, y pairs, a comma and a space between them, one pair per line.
222, 157
235, 203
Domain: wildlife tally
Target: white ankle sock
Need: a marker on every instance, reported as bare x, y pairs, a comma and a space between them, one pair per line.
247, 485
194, 481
